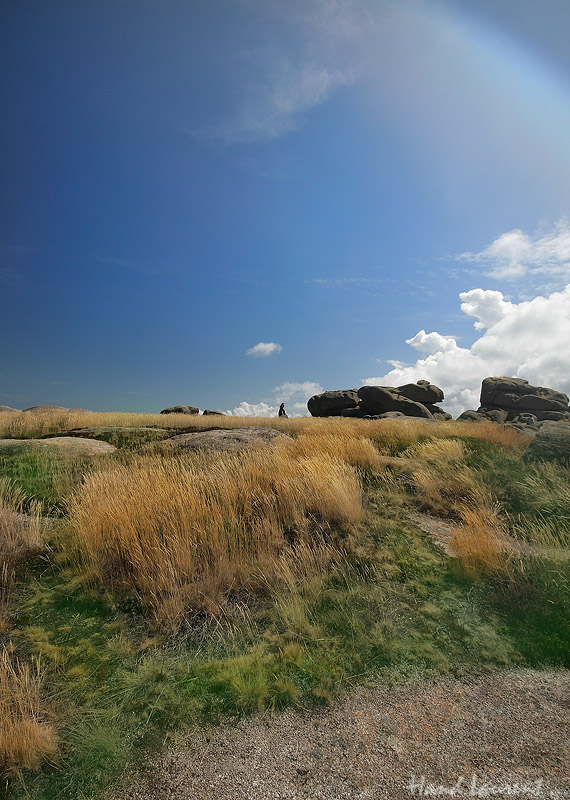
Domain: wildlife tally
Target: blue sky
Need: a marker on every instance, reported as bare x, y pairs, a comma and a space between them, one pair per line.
185, 182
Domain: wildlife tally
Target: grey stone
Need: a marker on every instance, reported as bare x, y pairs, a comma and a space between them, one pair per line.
494, 389
421, 392
379, 399
4, 409
526, 418
181, 410
332, 403
495, 414
225, 440
551, 443
472, 416
555, 416
45, 409
438, 413
357, 412
209, 413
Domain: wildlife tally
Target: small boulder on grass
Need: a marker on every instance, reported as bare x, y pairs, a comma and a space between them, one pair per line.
225, 440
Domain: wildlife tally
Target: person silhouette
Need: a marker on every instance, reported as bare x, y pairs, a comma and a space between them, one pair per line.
282, 412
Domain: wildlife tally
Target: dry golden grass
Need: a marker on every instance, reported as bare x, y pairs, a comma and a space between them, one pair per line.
182, 532
442, 481
389, 432
20, 537
481, 542
27, 737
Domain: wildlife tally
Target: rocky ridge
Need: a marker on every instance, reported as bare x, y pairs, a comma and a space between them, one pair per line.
380, 402
516, 402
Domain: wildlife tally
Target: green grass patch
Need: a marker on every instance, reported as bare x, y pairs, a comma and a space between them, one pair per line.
43, 474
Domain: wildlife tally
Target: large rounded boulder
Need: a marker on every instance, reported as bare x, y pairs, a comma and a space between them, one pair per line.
422, 392
332, 404
380, 399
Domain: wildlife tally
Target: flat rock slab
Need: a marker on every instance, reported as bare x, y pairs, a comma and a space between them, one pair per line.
477, 734
67, 444
118, 434
225, 440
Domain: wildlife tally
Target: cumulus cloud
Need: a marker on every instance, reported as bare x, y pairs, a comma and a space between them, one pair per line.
526, 340
516, 254
294, 395
264, 349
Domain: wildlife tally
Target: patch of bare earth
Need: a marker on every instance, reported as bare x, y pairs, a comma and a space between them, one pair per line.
441, 532
503, 734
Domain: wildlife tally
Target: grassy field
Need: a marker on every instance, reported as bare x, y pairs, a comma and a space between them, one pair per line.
148, 590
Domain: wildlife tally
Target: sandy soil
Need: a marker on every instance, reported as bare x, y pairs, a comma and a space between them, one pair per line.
499, 735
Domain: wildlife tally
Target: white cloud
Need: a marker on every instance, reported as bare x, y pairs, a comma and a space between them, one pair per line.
294, 395
246, 409
527, 340
264, 349
288, 391
515, 254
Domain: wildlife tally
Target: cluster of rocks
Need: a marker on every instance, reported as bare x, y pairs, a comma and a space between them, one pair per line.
381, 402
191, 410
516, 402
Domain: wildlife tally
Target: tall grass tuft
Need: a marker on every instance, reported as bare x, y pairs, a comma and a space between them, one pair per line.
27, 737
183, 532
20, 538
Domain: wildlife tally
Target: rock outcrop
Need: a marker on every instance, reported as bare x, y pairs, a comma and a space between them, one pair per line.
225, 440
45, 409
209, 413
7, 408
518, 396
516, 401
181, 410
376, 402
551, 443
332, 404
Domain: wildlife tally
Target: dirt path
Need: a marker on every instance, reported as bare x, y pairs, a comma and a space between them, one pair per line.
504, 734
441, 532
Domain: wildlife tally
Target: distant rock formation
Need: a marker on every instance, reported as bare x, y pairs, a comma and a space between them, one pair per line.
377, 402
181, 410
516, 401
209, 413
7, 408
44, 409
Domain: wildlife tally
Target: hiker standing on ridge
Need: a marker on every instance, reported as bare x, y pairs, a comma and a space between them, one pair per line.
282, 412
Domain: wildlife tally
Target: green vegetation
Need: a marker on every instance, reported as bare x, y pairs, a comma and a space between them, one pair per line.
340, 592
45, 475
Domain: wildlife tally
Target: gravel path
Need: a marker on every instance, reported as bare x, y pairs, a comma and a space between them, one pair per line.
504, 734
